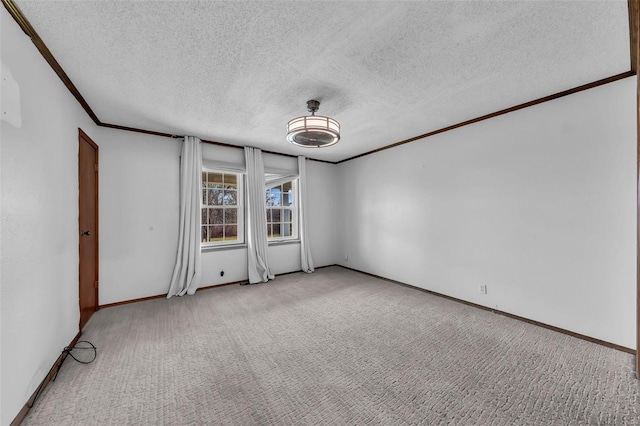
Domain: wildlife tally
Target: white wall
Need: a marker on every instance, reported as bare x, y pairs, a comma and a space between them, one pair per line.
39, 198
537, 204
139, 186
139, 213
322, 182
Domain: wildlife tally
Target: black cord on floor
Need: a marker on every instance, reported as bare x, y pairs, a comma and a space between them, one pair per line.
66, 351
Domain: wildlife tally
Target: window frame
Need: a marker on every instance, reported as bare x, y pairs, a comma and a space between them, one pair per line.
294, 208
240, 207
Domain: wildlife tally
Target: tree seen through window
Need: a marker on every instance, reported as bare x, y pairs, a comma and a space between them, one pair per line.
280, 211
221, 214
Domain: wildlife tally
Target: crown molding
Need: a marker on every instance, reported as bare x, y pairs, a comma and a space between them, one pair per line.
28, 29
22, 21
498, 113
634, 7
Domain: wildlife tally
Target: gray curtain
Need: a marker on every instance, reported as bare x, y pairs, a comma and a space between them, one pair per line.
257, 248
187, 270
305, 251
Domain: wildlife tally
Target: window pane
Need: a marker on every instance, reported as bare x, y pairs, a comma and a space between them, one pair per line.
216, 216
269, 231
219, 197
287, 194
231, 216
277, 196
273, 197
276, 215
214, 180
276, 230
221, 208
230, 181
230, 198
211, 180
286, 215
287, 198
268, 215
230, 232
215, 233
287, 229
214, 197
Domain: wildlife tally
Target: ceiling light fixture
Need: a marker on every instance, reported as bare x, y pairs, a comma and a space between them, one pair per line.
313, 131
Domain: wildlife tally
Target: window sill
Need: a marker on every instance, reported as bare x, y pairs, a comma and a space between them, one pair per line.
205, 249
283, 242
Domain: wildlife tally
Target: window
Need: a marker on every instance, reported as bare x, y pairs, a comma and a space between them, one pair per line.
222, 212
282, 219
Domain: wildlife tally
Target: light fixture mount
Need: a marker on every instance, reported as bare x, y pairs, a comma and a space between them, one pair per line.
313, 131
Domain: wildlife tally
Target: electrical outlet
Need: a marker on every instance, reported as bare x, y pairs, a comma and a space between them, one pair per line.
346, 257
483, 289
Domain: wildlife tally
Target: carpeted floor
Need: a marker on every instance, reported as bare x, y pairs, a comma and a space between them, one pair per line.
333, 348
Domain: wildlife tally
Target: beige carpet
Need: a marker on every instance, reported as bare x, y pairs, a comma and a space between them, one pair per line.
334, 348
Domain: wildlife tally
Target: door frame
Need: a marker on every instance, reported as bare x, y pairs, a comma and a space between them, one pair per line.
634, 31
83, 137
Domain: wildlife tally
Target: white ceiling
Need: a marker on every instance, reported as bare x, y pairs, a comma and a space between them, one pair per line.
237, 71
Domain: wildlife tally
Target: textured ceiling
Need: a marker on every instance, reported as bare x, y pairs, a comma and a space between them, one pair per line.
237, 71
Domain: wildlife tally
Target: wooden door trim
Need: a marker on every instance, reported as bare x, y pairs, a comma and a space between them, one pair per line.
82, 136
634, 22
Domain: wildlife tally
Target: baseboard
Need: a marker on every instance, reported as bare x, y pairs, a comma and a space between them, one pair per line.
126, 302
506, 314
455, 299
159, 296
43, 385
